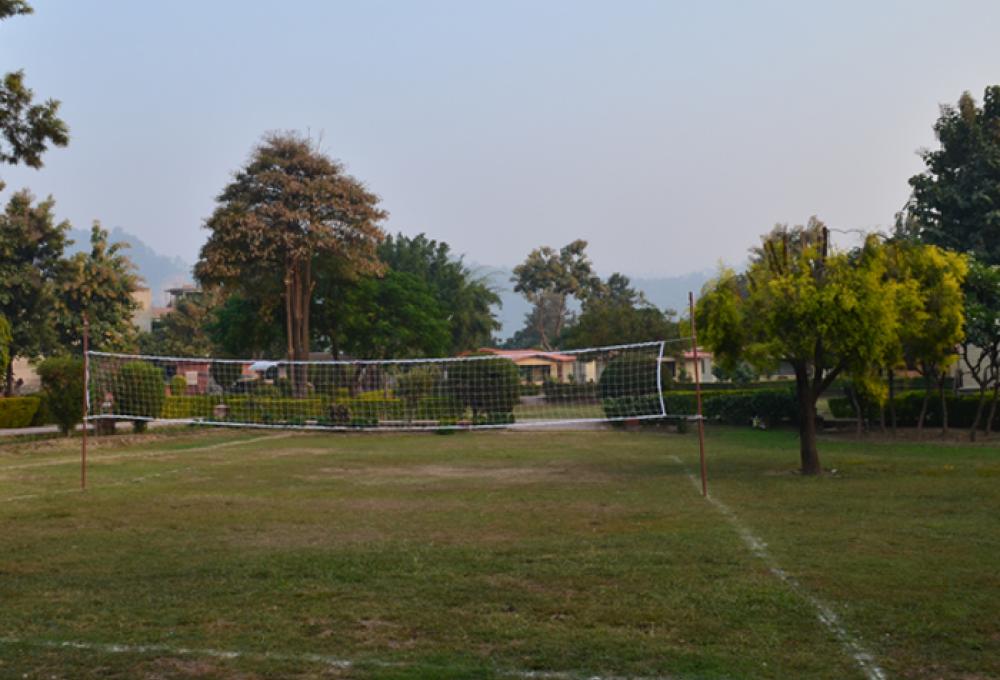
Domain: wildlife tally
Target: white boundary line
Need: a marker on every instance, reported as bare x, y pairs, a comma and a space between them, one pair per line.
155, 453
862, 657
302, 657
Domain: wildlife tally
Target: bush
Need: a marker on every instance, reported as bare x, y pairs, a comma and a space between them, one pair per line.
437, 408
569, 392
487, 386
417, 383
731, 407
139, 391
178, 386
961, 409
43, 416
256, 409
177, 407
529, 390
369, 408
631, 375
17, 411
62, 382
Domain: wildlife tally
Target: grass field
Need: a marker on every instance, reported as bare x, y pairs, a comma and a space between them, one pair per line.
502, 554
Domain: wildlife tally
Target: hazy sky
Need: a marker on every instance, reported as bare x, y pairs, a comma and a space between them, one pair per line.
668, 134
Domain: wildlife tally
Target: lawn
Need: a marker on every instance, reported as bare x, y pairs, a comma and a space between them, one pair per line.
217, 554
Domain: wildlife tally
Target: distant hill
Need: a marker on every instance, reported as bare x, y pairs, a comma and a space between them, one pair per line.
158, 271
668, 292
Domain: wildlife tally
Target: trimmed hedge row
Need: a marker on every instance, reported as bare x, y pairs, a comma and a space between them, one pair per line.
570, 391
360, 411
17, 411
961, 409
731, 407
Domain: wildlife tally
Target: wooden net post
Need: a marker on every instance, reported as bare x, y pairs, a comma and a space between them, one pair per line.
697, 391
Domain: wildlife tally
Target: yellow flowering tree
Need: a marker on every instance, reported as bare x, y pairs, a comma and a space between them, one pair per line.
823, 312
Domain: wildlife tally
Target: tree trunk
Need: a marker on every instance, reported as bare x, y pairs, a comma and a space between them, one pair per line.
993, 410
858, 415
923, 413
809, 456
8, 383
979, 414
298, 291
892, 401
944, 405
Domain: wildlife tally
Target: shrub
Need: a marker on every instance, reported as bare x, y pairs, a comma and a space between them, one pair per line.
730, 407
436, 408
43, 416
17, 411
178, 386
485, 385
961, 409
529, 390
226, 374
369, 408
257, 409
139, 391
570, 391
417, 383
189, 406
62, 382
630, 375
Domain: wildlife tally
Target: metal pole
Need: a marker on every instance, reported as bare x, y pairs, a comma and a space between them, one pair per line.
697, 391
86, 399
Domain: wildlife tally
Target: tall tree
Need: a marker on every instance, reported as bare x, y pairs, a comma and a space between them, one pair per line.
931, 300
617, 313
466, 300
394, 316
956, 200
183, 331
289, 205
100, 283
822, 312
242, 326
26, 129
545, 320
547, 279
5, 339
981, 348
31, 249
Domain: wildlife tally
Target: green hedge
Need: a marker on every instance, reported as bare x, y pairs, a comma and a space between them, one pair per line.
43, 416
194, 406
570, 391
436, 408
961, 409
17, 411
486, 386
731, 407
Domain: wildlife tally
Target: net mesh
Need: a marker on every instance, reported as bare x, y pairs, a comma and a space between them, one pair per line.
516, 388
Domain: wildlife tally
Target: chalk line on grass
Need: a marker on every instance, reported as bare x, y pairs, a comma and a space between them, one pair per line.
862, 657
147, 454
134, 480
301, 657
180, 651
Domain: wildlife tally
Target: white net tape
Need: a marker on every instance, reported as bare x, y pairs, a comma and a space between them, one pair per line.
509, 388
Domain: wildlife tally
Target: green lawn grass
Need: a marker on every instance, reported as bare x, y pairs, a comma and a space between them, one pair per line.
493, 554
